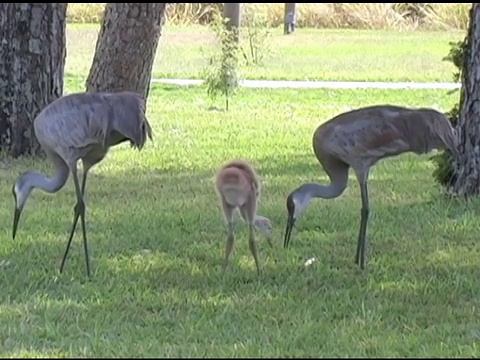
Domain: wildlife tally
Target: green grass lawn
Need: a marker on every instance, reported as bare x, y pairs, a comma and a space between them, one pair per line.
309, 54
157, 238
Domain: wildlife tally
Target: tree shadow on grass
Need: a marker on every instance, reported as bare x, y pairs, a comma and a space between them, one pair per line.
127, 213
185, 200
158, 256
175, 297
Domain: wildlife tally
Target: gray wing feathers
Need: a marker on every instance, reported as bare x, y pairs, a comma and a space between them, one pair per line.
447, 134
129, 118
83, 119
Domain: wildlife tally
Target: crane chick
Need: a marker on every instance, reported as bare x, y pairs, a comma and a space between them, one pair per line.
238, 187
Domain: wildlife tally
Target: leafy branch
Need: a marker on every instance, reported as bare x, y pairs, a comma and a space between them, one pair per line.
444, 173
221, 75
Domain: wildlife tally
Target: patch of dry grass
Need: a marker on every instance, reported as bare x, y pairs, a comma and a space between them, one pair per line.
398, 16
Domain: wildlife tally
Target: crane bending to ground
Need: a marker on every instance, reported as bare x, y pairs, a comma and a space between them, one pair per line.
81, 126
359, 139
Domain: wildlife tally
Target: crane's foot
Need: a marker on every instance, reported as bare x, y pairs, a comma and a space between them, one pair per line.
260, 271
360, 262
361, 265
360, 259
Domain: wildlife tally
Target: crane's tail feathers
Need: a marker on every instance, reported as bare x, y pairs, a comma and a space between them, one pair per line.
233, 195
447, 134
129, 118
452, 143
149, 130
146, 131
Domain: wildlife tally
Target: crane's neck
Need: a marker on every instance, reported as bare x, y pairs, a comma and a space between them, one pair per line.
308, 191
313, 190
34, 179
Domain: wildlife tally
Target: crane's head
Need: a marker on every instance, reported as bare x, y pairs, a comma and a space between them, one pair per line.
21, 190
265, 226
297, 201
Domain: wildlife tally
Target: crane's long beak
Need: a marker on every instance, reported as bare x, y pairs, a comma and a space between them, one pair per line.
288, 230
16, 217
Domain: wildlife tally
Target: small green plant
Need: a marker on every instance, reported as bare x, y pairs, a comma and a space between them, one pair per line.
221, 74
456, 56
444, 173
258, 34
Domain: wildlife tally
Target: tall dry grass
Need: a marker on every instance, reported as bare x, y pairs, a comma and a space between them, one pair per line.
85, 13
397, 16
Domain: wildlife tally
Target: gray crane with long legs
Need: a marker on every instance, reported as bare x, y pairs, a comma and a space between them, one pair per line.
81, 126
359, 139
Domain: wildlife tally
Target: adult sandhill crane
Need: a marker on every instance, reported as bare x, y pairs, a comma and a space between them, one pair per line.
81, 126
359, 139
238, 187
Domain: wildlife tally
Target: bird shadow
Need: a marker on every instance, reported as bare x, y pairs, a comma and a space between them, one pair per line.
169, 224
166, 252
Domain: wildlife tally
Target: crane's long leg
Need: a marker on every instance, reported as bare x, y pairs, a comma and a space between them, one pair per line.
252, 244
248, 212
82, 215
362, 241
228, 212
79, 211
84, 180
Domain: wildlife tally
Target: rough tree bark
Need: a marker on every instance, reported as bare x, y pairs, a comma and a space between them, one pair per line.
468, 128
32, 62
126, 47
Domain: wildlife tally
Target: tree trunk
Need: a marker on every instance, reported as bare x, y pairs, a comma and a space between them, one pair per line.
468, 166
126, 48
290, 18
231, 11
31, 69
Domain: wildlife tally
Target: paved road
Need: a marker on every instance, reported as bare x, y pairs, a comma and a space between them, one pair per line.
276, 84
